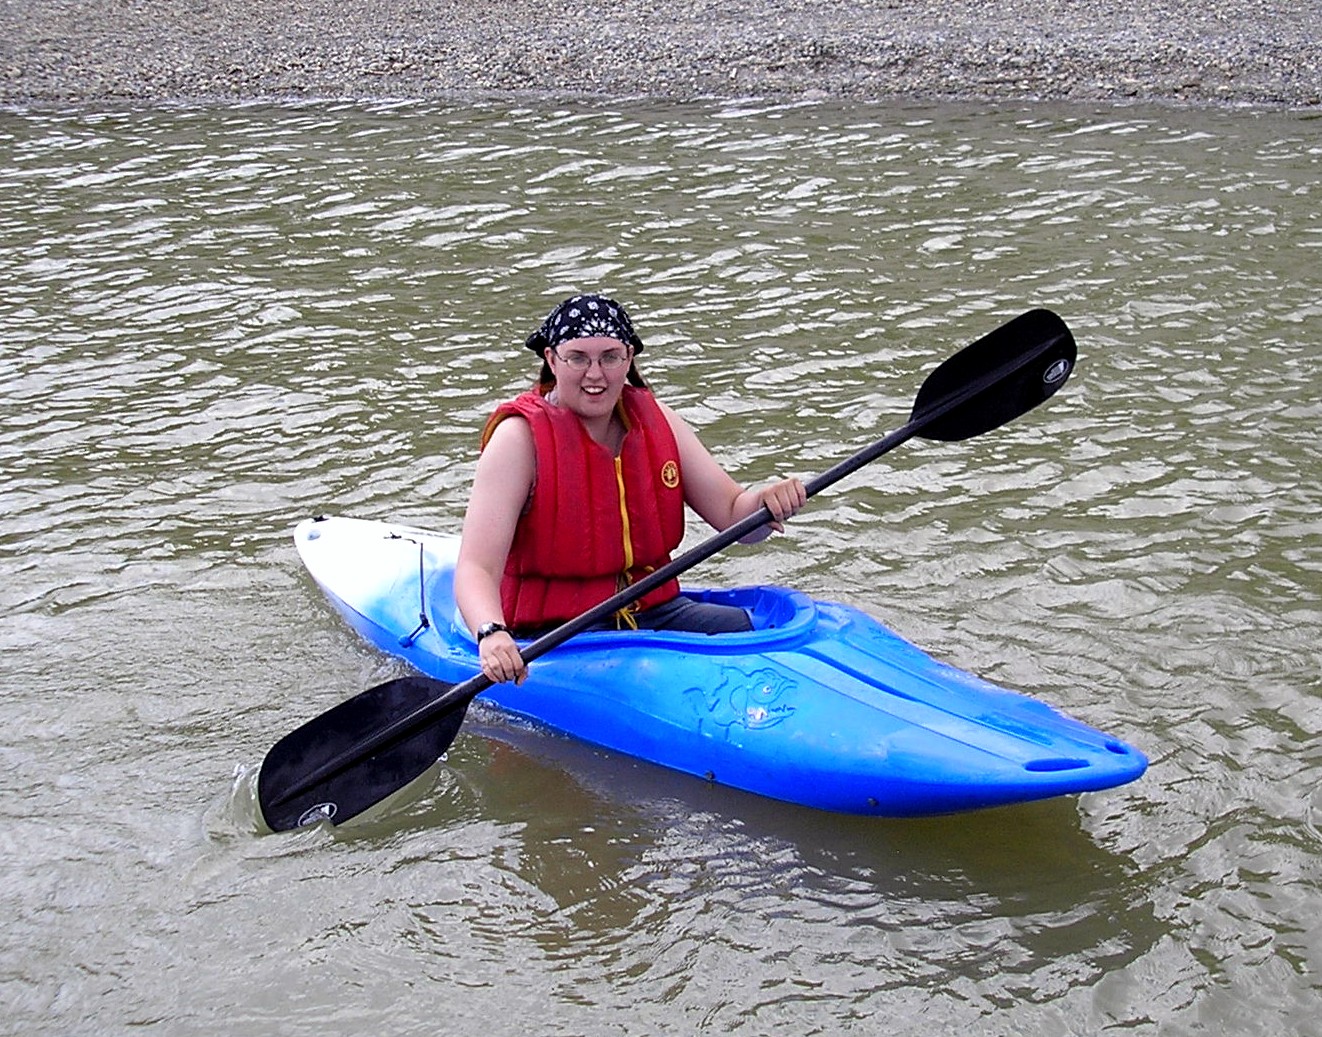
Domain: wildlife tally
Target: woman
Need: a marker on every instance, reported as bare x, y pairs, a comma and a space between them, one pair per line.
580, 491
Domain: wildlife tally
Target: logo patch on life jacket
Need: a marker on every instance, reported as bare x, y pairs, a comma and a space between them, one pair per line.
670, 475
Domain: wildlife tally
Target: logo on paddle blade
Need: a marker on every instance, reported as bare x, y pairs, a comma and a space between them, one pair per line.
1056, 372
320, 812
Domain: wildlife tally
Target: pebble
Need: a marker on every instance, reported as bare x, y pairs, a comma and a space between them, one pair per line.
1191, 52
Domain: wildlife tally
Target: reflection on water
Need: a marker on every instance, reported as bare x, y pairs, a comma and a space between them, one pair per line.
219, 321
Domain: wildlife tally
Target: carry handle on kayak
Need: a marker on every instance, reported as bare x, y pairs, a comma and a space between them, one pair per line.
355, 754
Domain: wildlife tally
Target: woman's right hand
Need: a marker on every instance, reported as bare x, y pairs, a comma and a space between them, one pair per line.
500, 659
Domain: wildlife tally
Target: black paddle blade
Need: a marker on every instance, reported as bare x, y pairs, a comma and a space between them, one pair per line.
997, 378
344, 781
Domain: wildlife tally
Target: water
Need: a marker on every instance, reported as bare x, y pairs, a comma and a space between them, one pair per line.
216, 322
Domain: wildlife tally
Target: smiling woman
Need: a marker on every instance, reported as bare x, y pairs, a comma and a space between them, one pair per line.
580, 491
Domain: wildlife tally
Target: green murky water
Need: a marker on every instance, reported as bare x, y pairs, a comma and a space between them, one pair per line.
216, 322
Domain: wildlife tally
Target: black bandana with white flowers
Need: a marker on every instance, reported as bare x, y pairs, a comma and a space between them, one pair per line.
584, 316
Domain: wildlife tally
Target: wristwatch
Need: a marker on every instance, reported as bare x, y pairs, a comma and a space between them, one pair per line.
487, 629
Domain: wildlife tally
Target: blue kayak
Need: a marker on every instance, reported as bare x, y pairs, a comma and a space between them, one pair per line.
819, 705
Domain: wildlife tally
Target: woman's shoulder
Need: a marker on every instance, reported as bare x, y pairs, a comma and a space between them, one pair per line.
506, 430
509, 427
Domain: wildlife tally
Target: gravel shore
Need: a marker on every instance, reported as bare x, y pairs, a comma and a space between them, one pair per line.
1199, 52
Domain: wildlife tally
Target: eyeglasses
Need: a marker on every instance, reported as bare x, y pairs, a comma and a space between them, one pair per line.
612, 360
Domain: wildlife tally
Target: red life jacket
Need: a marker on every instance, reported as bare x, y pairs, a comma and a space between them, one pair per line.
594, 523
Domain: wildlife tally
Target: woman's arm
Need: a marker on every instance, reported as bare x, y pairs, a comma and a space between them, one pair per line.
712, 493
501, 485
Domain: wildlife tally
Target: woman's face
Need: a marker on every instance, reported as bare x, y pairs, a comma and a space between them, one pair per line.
589, 374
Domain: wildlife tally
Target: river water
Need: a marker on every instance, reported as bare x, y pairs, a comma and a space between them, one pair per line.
219, 321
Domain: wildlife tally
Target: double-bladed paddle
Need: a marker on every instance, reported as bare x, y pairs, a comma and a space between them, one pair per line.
359, 752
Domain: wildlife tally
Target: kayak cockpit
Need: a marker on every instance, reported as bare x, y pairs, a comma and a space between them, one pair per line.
780, 616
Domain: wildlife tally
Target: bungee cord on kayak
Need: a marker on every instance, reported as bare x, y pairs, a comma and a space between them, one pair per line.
423, 622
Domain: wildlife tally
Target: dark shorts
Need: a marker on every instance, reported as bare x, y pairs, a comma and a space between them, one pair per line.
679, 614
698, 617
